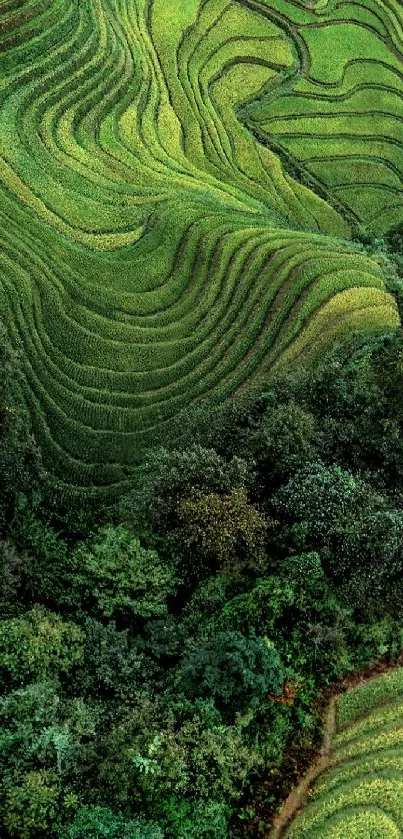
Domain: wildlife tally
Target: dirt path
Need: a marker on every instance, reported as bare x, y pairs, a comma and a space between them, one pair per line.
298, 797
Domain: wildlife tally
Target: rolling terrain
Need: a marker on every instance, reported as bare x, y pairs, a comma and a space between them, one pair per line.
179, 185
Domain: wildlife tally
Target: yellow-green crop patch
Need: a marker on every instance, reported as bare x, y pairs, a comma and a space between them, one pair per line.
156, 252
361, 793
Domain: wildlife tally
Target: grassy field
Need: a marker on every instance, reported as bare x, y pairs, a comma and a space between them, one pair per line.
155, 253
360, 794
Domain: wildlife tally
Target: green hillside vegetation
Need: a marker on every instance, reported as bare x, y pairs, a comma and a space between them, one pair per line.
161, 660
201, 417
155, 251
361, 793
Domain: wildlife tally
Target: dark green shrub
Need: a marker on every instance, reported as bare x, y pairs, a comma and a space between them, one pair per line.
282, 442
101, 823
367, 560
169, 475
236, 671
32, 806
316, 500
113, 666
223, 532
38, 645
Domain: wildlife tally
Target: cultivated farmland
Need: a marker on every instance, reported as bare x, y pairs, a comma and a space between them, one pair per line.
360, 795
340, 116
156, 249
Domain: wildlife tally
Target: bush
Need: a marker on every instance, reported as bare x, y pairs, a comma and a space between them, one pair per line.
174, 747
316, 500
220, 532
101, 823
38, 645
169, 475
113, 666
116, 578
282, 442
32, 806
238, 672
394, 238
367, 560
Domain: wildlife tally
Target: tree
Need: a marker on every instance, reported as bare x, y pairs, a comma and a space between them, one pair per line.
38, 645
116, 578
220, 532
169, 475
367, 560
238, 672
32, 805
282, 441
42, 729
316, 499
143, 759
47, 576
174, 750
113, 664
43, 738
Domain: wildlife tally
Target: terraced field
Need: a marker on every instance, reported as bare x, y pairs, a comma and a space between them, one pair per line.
339, 118
155, 250
361, 793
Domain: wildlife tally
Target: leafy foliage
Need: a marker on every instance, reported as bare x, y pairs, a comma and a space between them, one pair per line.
167, 476
238, 672
32, 806
283, 440
115, 577
101, 823
317, 499
38, 645
221, 532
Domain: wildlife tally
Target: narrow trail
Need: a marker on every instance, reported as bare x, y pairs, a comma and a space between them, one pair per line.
298, 797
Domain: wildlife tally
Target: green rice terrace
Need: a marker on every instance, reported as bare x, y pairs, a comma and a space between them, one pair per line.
180, 184
360, 794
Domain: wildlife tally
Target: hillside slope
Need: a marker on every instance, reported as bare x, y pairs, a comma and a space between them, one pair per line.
156, 253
